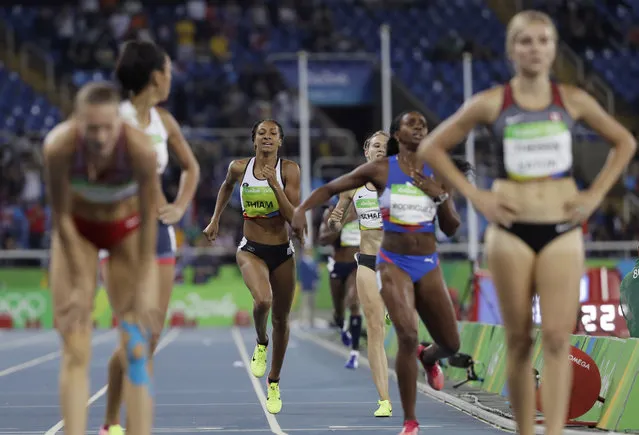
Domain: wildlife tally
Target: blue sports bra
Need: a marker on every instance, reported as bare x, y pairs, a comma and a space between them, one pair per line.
405, 208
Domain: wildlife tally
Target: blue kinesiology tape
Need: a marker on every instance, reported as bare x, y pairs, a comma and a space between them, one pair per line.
137, 369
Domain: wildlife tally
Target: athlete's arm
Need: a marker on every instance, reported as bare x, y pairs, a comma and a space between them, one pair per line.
481, 108
624, 145
288, 197
144, 164
233, 174
57, 157
448, 218
342, 211
326, 236
368, 172
190, 167
374, 172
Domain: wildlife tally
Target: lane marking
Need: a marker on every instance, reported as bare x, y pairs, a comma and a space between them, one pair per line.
27, 339
209, 404
164, 342
49, 356
188, 430
270, 418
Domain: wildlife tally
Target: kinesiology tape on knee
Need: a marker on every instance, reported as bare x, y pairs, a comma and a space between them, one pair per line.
136, 352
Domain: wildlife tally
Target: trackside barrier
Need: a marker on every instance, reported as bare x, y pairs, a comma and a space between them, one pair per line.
617, 360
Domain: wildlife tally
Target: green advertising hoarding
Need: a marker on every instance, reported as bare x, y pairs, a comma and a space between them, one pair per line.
24, 294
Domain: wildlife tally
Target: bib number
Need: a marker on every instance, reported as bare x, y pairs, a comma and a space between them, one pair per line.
350, 235
410, 206
537, 150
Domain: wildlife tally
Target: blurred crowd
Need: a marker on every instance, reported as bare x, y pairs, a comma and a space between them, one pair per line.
213, 33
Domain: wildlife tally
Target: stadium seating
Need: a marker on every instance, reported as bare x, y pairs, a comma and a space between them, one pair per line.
21, 109
616, 63
417, 31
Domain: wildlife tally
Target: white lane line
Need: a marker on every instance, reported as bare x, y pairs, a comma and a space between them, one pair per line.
49, 356
164, 342
270, 418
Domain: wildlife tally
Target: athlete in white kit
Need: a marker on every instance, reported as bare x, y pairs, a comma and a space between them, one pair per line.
144, 73
369, 217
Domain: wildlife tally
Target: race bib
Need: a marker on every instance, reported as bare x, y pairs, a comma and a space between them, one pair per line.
410, 206
370, 217
259, 201
350, 235
537, 149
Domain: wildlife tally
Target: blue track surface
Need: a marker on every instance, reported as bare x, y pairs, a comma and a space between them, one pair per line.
202, 386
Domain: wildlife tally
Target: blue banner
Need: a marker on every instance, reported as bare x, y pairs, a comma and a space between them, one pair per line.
333, 82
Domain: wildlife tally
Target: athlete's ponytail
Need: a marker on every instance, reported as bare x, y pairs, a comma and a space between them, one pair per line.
463, 165
392, 146
136, 64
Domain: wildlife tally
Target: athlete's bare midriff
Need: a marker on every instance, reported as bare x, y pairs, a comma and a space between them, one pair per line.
98, 212
410, 243
370, 241
345, 254
271, 231
540, 201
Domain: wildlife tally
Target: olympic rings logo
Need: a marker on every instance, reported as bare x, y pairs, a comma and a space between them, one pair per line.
23, 305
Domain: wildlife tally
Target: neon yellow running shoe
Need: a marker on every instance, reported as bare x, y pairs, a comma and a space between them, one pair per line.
114, 429
258, 363
273, 400
385, 409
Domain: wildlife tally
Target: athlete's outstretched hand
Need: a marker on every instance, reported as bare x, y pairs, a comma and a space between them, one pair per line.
582, 206
496, 207
211, 230
298, 224
427, 185
171, 214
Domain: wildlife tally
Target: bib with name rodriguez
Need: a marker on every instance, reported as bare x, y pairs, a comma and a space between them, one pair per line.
404, 207
367, 208
257, 197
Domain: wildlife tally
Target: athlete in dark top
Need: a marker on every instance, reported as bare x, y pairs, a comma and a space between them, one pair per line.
342, 269
534, 243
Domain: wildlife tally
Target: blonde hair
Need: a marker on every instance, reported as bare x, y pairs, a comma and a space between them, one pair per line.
522, 19
367, 142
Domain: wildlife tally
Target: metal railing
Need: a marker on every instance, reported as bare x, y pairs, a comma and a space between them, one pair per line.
618, 249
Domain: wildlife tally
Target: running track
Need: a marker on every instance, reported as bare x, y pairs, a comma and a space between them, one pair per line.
203, 386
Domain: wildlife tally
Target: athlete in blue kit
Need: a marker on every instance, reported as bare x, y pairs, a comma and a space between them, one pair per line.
408, 270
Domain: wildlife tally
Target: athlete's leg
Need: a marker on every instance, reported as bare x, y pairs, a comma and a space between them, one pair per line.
355, 318
134, 340
72, 310
338, 297
436, 311
283, 284
511, 263
256, 277
373, 306
559, 268
398, 293
282, 280
166, 273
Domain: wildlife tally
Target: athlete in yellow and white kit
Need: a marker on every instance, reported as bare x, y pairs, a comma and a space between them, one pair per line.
366, 204
270, 191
